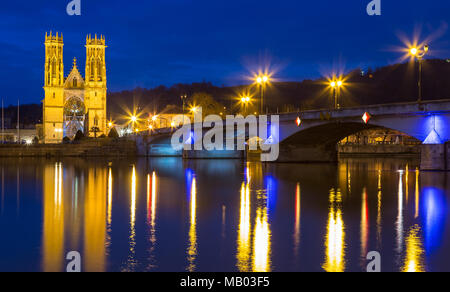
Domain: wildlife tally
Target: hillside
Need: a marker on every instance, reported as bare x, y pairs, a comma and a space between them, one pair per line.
395, 83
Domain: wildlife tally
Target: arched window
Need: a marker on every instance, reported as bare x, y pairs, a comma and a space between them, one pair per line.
75, 83
92, 69
99, 69
54, 68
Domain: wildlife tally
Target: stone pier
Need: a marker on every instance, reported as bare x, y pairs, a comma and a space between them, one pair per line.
435, 157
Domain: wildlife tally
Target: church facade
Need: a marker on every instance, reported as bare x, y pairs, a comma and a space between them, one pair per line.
73, 103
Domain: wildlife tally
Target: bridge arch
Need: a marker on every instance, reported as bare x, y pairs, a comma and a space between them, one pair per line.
318, 141
332, 133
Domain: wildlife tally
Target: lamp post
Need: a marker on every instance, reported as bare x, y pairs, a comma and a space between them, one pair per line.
183, 99
336, 87
262, 81
419, 54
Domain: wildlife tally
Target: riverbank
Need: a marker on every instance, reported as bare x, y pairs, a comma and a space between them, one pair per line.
379, 150
102, 147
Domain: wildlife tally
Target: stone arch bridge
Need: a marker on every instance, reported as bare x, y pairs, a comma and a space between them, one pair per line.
316, 138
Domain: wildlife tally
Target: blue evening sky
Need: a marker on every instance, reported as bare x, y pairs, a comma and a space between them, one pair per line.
154, 42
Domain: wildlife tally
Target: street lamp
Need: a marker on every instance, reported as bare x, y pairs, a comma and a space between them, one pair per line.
194, 110
336, 87
419, 54
183, 98
133, 120
245, 100
262, 81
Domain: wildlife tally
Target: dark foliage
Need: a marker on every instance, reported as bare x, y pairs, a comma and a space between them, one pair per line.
79, 136
389, 84
113, 133
95, 130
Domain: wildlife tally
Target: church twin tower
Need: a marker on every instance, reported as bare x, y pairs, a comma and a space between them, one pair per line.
74, 103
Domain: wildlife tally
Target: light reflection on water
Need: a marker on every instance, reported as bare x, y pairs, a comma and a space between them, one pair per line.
192, 249
335, 237
414, 251
175, 215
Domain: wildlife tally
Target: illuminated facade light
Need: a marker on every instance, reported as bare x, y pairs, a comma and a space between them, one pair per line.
366, 117
298, 121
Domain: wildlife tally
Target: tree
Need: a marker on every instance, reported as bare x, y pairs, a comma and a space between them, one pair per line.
113, 133
79, 136
95, 130
208, 104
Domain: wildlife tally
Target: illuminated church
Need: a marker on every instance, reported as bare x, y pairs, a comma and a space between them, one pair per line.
74, 103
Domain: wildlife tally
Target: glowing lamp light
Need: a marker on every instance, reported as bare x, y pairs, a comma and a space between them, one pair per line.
259, 80
333, 84
110, 124
265, 79
134, 119
298, 121
339, 83
366, 117
413, 51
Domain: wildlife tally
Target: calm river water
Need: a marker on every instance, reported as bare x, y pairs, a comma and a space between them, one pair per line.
221, 215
